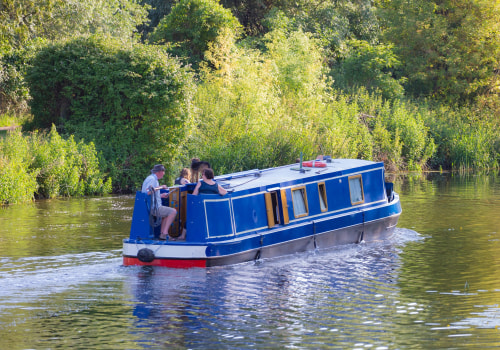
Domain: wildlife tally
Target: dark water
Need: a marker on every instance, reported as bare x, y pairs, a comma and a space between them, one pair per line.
434, 285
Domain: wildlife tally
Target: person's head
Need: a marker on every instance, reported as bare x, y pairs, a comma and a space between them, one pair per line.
184, 173
159, 170
208, 173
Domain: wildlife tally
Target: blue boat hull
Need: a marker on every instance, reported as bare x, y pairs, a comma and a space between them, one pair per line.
372, 224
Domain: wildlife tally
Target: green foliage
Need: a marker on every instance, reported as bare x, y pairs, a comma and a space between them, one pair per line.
466, 138
262, 110
297, 60
405, 121
13, 66
27, 25
191, 26
242, 116
132, 101
333, 23
450, 49
370, 66
17, 181
66, 168
47, 166
250, 13
260, 102
157, 10
24, 20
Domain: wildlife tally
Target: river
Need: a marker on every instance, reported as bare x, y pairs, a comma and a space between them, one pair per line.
435, 284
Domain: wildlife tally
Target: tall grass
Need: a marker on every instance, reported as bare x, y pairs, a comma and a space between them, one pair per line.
466, 138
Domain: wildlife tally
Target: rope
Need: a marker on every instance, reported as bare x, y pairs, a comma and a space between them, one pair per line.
243, 183
154, 221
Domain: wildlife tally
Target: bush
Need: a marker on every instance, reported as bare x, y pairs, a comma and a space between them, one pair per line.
406, 122
66, 168
191, 26
47, 166
132, 101
263, 110
17, 181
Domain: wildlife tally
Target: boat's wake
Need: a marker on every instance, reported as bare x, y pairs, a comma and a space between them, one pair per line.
405, 235
27, 279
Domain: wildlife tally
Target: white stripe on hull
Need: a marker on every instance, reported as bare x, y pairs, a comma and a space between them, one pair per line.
167, 251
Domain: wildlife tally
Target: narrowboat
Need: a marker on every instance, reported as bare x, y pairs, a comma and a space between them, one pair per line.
268, 213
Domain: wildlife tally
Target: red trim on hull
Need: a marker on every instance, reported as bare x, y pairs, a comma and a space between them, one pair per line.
182, 264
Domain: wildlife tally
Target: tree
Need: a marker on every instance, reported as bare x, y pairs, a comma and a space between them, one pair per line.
371, 66
25, 25
191, 26
132, 101
158, 9
24, 20
450, 49
332, 22
250, 13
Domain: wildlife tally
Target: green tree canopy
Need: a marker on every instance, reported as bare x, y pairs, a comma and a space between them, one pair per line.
157, 10
191, 26
371, 66
450, 49
23, 20
132, 101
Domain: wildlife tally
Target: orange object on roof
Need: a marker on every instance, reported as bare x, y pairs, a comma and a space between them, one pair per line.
314, 164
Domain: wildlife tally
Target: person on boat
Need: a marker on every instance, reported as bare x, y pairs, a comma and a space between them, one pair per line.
197, 167
207, 185
151, 186
183, 177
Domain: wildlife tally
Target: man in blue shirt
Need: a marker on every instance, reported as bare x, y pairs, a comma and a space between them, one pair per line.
150, 186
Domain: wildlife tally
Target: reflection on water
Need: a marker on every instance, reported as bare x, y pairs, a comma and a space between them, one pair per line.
434, 284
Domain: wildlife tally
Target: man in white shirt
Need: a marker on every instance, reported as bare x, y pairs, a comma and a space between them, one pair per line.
151, 185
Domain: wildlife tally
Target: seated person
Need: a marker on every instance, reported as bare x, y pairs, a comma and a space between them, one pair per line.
183, 177
207, 185
152, 186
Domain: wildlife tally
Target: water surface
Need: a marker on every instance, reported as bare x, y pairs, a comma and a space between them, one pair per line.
434, 284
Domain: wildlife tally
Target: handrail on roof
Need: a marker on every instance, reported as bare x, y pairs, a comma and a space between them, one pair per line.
253, 172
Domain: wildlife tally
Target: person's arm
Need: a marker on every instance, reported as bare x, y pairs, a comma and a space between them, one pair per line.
197, 188
161, 187
164, 194
222, 190
184, 181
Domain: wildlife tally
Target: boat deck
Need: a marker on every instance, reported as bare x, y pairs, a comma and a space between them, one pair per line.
256, 178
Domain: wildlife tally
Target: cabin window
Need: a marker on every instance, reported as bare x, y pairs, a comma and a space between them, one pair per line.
299, 201
356, 189
322, 196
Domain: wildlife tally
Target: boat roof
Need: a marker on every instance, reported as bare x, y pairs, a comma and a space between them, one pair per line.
291, 174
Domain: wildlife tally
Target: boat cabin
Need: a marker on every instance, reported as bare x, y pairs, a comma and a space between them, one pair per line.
270, 199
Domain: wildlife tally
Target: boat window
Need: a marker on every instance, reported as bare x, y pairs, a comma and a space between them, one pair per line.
299, 201
322, 196
356, 189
